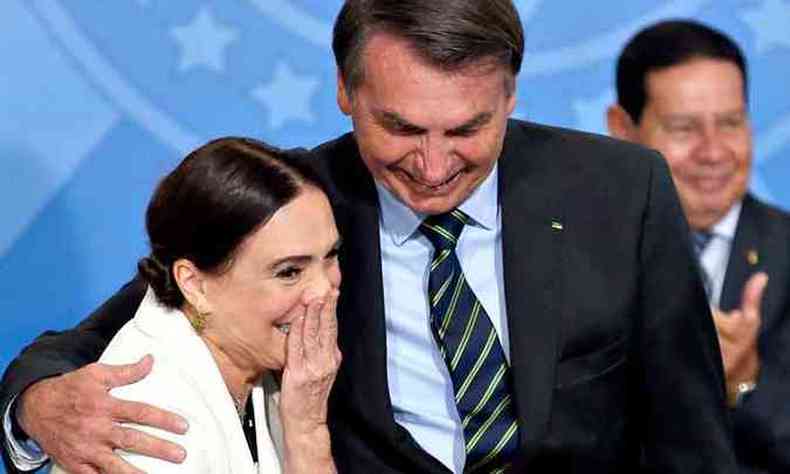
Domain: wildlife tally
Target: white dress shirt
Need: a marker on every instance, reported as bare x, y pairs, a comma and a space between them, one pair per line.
716, 254
26, 456
420, 386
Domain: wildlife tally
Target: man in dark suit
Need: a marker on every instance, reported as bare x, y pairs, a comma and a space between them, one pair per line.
682, 89
515, 297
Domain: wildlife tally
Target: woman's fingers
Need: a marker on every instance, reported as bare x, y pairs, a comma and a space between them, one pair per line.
294, 342
328, 333
312, 328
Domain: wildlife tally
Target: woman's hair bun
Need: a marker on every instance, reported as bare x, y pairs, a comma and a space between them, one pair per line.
160, 278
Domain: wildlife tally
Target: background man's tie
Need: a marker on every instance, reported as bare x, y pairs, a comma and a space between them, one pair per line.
471, 349
700, 240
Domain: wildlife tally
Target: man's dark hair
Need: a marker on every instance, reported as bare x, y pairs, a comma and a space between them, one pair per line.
665, 44
448, 34
204, 209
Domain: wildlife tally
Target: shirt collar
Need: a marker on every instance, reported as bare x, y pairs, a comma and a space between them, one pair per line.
727, 225
400, 222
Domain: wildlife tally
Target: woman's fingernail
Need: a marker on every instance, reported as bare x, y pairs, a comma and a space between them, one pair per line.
183, 425
178, 454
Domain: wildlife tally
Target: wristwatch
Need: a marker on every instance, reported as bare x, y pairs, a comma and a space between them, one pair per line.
736, 394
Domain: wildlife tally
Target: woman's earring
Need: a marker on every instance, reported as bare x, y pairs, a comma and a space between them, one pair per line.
198, 319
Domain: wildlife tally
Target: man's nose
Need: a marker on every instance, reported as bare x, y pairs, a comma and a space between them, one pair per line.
712, 147
434, 160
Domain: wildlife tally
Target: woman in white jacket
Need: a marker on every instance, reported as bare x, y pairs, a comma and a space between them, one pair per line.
240, 313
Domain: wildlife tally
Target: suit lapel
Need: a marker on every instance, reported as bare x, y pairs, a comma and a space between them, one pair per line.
532, 230
361, 330
361, 319
744, 258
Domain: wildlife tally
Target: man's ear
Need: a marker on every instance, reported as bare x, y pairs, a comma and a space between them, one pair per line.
620, 124
191, 282
343, 95
511, 100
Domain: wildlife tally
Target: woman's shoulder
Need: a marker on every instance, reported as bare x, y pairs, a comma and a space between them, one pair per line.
163, 333
171, 386
174, 383
184, 380
181, 375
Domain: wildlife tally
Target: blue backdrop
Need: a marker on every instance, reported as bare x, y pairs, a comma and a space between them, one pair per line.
101, 98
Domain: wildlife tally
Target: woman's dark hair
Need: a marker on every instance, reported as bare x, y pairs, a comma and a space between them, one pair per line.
217, 196
448, 34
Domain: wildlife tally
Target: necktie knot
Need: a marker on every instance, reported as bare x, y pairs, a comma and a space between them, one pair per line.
700, 239
443, 230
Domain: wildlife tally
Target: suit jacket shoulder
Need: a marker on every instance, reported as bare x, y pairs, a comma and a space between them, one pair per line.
572, 156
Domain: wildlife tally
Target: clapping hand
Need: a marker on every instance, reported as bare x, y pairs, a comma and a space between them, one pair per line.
738, 331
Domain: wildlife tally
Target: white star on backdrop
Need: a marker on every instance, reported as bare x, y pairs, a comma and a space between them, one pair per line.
203, 41
591, 112
287, 96
770, 23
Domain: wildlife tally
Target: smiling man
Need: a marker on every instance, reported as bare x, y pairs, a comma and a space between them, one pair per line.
682, 89
515, 297
427, 136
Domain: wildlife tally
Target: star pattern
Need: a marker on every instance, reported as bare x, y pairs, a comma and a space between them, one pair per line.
591, 112
287, 96
770, 24
203, 42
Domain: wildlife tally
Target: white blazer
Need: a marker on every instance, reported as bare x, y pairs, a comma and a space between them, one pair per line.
186, 380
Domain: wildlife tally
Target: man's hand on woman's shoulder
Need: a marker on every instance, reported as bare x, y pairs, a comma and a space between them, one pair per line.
78, 423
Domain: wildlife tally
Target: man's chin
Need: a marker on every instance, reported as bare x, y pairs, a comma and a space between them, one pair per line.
433, 204
704, 219
428, 202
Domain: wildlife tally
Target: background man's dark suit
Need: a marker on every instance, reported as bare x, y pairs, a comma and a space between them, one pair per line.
613, 352
762, 421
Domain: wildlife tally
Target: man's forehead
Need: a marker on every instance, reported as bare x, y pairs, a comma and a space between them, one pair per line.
699, 71
383, 48
686, 87
391, 117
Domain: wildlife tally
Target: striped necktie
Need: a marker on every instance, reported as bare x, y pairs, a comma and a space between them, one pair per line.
470, 347
700, 240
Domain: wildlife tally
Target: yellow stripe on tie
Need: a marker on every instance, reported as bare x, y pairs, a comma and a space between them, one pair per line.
500, 470
441, 231
486, 395
460, 216
448, 316
490, 421
441, 258
442, 289
511, 430
478, 363
470, 325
